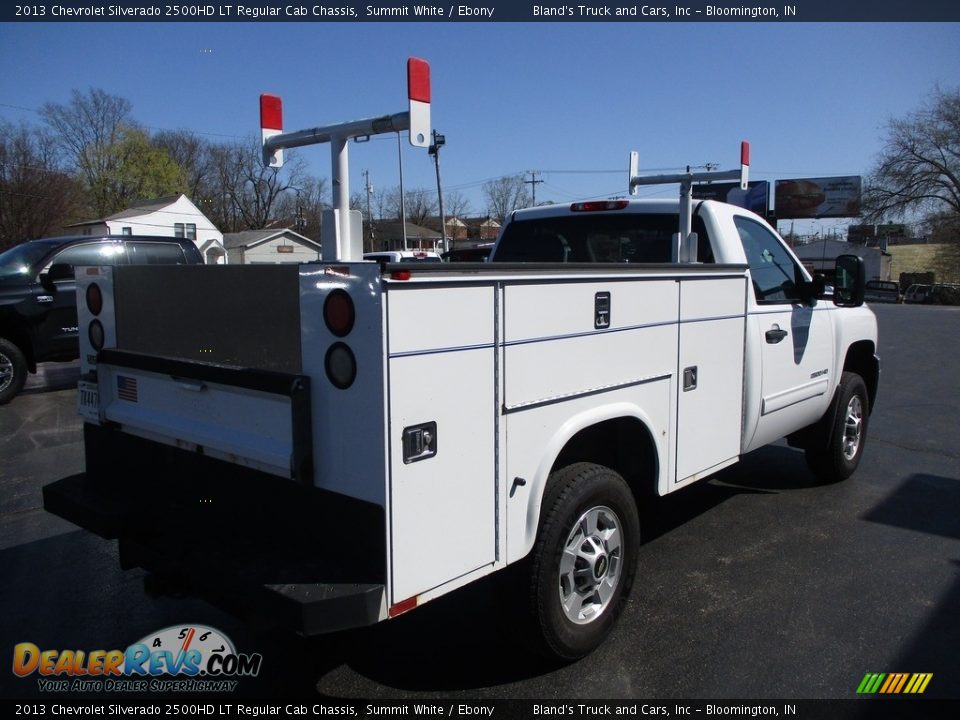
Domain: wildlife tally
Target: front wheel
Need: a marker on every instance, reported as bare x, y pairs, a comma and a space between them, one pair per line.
13, 370
584, 560
847, 435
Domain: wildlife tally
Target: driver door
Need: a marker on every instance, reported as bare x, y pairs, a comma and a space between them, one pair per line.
792, 338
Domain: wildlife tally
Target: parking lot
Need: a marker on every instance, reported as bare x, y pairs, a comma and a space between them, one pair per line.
758, 583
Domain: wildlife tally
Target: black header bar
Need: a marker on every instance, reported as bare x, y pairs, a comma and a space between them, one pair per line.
659, 11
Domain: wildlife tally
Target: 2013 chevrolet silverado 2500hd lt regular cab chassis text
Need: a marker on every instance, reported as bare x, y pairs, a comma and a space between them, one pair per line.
337, 443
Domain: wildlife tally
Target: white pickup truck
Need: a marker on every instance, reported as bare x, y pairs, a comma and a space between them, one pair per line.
342, 442
334, 444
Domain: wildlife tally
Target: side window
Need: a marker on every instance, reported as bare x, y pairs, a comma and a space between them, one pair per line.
158, 253
92, 254
773, 270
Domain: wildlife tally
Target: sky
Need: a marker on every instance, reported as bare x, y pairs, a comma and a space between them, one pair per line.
567, 100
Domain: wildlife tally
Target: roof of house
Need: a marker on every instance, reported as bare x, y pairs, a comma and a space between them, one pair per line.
139, 208
144, 207
393, 229
249, 238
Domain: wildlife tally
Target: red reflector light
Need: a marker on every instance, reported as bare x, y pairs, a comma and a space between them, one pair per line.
403, 606
744, 153
400, 275
271, 112
597, 205
339, 313
94, 299
418, 80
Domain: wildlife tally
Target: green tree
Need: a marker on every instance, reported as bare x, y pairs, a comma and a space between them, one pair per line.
141, 170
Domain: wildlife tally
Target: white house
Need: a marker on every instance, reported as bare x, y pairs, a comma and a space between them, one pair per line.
280, 245
173, 216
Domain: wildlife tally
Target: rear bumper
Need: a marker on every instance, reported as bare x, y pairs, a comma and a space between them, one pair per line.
253, 544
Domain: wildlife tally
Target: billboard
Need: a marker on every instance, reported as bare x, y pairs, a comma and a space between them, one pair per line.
755, 198
861, 234
817, 197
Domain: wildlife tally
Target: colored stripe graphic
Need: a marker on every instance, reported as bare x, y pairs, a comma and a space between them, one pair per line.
894, 683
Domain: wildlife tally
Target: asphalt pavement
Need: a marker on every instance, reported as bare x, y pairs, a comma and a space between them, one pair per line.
758, 583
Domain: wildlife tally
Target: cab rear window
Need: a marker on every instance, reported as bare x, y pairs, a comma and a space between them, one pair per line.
154, 253
596, 238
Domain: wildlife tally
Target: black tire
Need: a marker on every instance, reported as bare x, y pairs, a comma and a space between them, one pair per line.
838, 456
13, 370
596, 501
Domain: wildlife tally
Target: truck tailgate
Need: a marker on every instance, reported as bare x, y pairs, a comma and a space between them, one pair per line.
257, 418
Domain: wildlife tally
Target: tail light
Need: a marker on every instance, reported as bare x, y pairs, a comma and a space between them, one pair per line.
598, 205
96, 335
339, 313
94, 299
341, 365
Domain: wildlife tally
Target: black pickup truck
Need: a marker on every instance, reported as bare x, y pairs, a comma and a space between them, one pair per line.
38, 304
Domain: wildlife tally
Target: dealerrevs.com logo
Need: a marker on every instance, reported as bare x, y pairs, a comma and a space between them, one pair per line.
180, 658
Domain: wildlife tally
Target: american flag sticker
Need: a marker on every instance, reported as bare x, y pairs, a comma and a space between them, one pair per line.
127, 388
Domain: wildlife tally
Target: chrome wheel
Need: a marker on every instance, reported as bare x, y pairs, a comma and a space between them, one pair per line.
852, 428
6, 372
590, 565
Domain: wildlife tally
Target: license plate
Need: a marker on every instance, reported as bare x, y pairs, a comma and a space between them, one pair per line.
88, 401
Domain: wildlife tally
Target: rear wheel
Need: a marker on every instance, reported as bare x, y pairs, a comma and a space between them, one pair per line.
847, 434
584, 560
13, 370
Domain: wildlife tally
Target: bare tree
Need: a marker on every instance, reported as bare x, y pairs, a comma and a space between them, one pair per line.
246, 191
382, 204
918, 170
301, 207
88, 128
36, 194
504, 195
421, 206
456, 205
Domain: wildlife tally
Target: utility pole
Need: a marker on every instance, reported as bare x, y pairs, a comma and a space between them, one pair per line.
533, 182
369, 189
434, 150
403, 203
299, 223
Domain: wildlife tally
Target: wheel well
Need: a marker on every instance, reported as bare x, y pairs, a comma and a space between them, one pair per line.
21, 340
861, 359
621, 444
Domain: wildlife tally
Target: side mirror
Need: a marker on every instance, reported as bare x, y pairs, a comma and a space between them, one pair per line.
60, 271
849, 281
812, 290
57, 273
